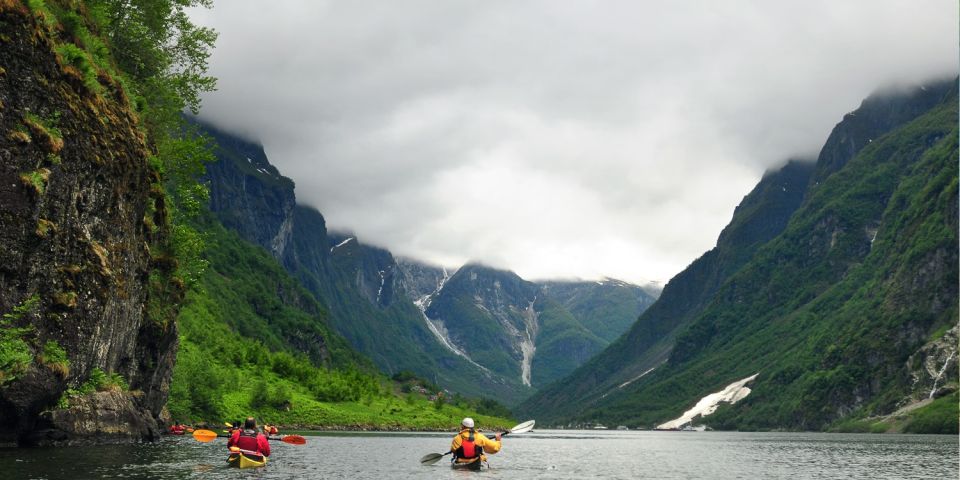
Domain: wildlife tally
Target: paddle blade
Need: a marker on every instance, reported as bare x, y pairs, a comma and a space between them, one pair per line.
431, 458
204, 435
294, 440
523, 427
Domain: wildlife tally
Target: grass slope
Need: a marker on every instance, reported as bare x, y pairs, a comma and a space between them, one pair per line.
253, 342
827, 312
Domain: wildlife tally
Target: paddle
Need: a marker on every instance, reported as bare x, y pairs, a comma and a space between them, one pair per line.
294, 440
431, 458
204, 435
208, 436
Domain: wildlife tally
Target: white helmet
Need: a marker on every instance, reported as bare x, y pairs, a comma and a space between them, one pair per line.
467, 422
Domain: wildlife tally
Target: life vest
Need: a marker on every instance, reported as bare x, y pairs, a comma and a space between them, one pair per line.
468, 447
248, 441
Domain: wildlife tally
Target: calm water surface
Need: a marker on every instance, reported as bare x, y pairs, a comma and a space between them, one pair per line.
542, 454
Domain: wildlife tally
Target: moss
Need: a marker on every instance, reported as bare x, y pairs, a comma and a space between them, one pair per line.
102, 256
72, 56
72, 269
36, 179
65, 299
44, 227
47, 130
20, 136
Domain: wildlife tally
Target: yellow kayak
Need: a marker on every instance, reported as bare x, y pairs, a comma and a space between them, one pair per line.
243, 460
475, 464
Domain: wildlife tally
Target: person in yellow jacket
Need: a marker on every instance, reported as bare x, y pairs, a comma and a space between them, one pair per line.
469, 446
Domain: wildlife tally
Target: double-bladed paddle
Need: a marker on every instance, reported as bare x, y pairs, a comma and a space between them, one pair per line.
431, 458
208, 436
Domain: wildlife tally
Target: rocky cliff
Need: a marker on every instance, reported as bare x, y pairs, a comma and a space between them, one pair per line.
82, 232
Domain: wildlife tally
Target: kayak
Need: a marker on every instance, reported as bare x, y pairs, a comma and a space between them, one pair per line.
244, 460
475, 465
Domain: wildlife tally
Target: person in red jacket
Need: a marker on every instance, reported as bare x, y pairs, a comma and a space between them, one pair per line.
249, 441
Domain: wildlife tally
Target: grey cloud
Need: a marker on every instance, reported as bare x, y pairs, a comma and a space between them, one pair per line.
579, 138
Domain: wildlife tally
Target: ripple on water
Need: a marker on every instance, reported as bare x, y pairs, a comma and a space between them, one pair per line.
542, 454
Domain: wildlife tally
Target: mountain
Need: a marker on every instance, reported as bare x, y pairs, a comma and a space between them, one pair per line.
607, 308
835, 283
255, 342
361, 286
464, 329
537, 332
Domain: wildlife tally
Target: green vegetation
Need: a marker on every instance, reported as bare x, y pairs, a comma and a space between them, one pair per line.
148, 52
47, 129
55, 358
940, 416
828, 312
97, 381
253, 342
100, 381
36, 179
15, 353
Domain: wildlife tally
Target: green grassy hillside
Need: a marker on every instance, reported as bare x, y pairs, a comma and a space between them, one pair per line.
253, 342
838, 314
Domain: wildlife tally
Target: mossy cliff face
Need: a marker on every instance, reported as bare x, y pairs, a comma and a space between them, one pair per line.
82, 231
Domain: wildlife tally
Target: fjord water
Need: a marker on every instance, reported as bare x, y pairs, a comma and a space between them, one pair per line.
542, 454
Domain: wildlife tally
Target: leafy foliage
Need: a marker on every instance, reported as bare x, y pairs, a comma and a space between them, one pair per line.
15, 353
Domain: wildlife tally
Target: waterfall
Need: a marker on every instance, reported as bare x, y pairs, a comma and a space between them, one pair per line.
943, 370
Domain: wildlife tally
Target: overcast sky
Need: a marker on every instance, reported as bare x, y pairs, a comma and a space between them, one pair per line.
554, 138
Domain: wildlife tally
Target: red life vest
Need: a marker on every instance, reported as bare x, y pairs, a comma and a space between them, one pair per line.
248, 441
468, 448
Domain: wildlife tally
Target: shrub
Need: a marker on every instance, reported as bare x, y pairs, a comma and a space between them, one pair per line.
55, 358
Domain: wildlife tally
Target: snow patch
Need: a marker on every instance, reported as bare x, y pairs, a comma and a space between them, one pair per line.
340, 244
437, 328
734, 392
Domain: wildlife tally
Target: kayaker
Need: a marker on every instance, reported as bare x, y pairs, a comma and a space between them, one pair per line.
270, 430
250, 440
470, 445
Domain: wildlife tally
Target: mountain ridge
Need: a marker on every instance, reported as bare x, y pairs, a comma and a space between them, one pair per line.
635, 380
387, 307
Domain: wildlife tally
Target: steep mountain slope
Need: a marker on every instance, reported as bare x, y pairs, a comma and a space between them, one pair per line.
607, 307
521, 329
361, 286
838, 313
253, 341
406, 315
761, 215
